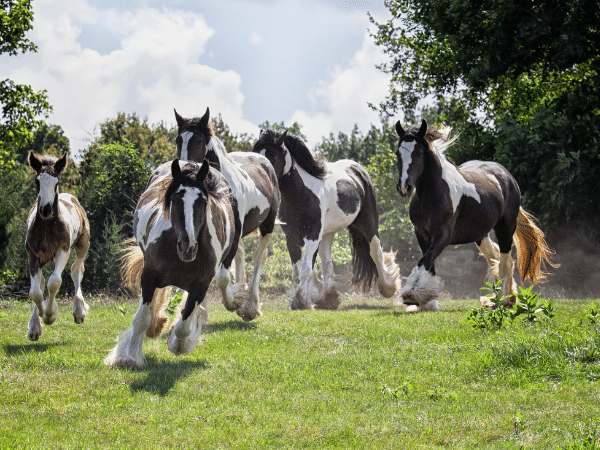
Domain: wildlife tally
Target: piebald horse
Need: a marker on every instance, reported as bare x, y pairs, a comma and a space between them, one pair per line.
319, 199
453, 205
184, 226
55, 224
254, 187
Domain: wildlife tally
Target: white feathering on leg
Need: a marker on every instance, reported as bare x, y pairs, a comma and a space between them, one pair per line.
421, 287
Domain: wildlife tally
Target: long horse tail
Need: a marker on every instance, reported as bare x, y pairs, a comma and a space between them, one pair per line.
132, 264
533, 253
363, 268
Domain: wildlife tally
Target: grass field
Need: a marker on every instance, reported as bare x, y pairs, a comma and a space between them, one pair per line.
366, 376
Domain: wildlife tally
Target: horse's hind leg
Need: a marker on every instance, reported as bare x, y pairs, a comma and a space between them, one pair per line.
388, 281
251, 308
80, 307
490, 250
506, 265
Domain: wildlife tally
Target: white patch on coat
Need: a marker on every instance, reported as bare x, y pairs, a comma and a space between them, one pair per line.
185, 136
494, 180
47, 188
70, 216
288, 161
244, 190
457, 184
405, 151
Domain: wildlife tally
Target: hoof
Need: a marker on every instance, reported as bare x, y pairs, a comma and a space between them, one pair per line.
421, 287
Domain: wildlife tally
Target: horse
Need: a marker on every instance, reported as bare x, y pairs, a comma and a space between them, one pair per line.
319, 199
184, 226
254, 186
453, 205
56, 223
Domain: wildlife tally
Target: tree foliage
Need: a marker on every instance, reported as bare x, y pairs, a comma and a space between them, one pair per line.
519, 80
21, 105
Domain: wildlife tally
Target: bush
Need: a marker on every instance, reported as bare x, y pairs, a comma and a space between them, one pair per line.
113, 176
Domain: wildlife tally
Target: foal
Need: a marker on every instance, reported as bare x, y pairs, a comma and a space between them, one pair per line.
55, 224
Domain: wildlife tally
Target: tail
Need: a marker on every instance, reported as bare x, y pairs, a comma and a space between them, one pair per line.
132, 264
363, 268
533, 252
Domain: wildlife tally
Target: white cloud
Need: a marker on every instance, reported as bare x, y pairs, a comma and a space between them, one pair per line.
255, 38
342, 101
155, 69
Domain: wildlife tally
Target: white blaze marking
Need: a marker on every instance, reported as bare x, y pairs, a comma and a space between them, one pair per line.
405, 152
47, 188
456, 182
189, 198
185, 136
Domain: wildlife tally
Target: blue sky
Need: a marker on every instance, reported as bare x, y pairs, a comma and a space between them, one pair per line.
250, 60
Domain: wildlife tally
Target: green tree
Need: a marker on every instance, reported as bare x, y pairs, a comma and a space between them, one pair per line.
21, 105
113, 176
519, 80
154, 142
242, 142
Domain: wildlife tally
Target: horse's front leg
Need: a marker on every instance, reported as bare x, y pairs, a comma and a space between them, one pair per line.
50, 310
184, 334
128, 352
423, 286
308, 289
36, 292
80, 307
232, 295
251, 308
329, 296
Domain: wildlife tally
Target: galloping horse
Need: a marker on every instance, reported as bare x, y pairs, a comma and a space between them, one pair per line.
55, 224
254, 186
184, 225
320, 199
453, 205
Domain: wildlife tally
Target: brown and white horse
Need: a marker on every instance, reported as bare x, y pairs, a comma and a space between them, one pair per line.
55, 224
453, 205
184, 227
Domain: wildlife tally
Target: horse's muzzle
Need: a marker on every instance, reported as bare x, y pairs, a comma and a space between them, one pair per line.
187, 254
45, 211
404, 191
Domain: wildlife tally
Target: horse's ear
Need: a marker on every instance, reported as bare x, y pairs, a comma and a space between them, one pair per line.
180, 120
399, 130
205, 117
260, 134
423, 129
281, 139
61, 164
175, 169
34, 162
201, 176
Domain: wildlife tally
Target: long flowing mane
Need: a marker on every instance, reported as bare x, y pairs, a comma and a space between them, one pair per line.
215, 184
299, 151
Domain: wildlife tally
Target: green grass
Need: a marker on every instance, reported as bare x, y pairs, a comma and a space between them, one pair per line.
366, 376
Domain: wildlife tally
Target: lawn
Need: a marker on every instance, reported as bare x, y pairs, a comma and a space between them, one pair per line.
366, 376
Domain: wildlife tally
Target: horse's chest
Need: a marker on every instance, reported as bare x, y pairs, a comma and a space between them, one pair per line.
46, 237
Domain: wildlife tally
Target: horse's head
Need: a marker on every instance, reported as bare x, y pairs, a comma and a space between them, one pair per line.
48, 169
271, 145
193, 136
186, 199
410, 158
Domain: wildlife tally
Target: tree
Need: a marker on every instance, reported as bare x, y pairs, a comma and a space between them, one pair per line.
154, 142
524, 76
233, 142
20, 103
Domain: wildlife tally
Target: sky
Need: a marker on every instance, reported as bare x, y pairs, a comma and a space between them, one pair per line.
306, 61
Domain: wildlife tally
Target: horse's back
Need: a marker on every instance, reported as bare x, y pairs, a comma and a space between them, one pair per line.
491, 176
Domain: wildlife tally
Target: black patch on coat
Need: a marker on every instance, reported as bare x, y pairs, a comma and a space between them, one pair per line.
348, 197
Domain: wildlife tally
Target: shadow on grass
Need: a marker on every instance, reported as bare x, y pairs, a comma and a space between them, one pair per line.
15, 350
161, 375
230, 325
366, 307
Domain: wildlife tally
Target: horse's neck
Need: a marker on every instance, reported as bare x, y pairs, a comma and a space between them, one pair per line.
431, 178
297, 178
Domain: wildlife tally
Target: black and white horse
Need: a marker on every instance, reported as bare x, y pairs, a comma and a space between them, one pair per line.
319, 199
55, 224
457, 205
184, 226
254, 187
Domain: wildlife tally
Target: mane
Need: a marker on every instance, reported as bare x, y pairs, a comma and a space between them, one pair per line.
299, 151
215, 186
437, 137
